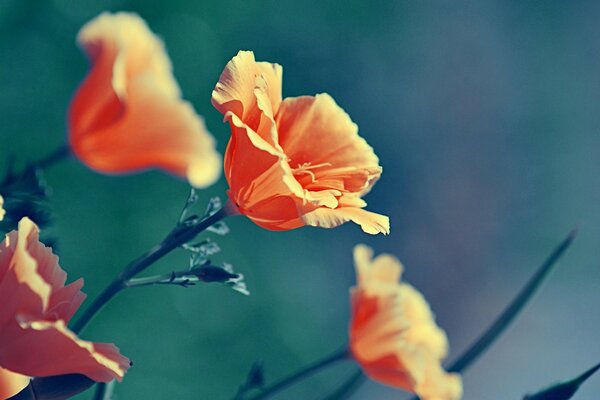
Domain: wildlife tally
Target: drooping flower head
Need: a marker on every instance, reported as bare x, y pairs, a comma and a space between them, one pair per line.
295, 161
36, 308
393, 334
128, 114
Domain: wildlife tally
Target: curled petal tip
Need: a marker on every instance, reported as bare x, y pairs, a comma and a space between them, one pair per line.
37, 305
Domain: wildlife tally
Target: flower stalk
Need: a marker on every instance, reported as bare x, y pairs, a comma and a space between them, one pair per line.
305, 372
176, 238
57, 155
493, 332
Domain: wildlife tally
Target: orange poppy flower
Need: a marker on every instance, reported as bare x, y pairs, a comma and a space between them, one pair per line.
36, 307
292, 162
128, 114
393, 334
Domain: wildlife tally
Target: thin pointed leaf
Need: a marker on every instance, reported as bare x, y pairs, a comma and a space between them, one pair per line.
513, 309
562, 390
214, 205
254, 380
191, 200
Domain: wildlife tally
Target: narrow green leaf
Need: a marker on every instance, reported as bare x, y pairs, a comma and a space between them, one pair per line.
513, 309
563, 390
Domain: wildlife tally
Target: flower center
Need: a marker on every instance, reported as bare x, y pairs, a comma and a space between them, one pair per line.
305, 169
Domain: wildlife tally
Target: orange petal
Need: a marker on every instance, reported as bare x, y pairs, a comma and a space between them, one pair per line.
261, 183
385, 269
34, 283
22, 289
438, 384
316, 130
389, 370
44, 348
393, 334
292, 162
11, 383
36, 306
127, 115
370, 222
249, 89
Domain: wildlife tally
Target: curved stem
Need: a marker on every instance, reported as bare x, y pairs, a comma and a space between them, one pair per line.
104, 391
175, 239
301, 374
512, 310
497, 327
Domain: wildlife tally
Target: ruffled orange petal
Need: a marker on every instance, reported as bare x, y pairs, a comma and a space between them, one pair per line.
393, 334
36, 306
257, 179
252, 91
44, 348
316, 131
11, 383
36, 283
127, 115
294, 162
22, 289
369, 222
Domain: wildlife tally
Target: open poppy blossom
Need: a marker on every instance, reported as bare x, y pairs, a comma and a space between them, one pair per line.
295, 161
128, 114
36, 308
393, 334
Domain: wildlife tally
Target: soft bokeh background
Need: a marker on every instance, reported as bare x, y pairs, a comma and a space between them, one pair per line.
485, 116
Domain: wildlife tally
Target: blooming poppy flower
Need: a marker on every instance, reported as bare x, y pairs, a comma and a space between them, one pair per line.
36, 308
393, 334
128, 114
295, 161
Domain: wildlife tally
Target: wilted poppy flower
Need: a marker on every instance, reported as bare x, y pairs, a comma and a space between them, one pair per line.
36, 307
393, 334
128, 114
292, 162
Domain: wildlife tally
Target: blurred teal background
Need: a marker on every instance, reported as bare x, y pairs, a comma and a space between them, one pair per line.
485, 116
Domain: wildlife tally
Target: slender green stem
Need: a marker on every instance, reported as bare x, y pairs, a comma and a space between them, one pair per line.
299, 375
180, 278
175, 239
57, 155
104, 391
513, 309
497, 327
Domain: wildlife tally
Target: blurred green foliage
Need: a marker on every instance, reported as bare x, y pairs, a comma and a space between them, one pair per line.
485, 116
